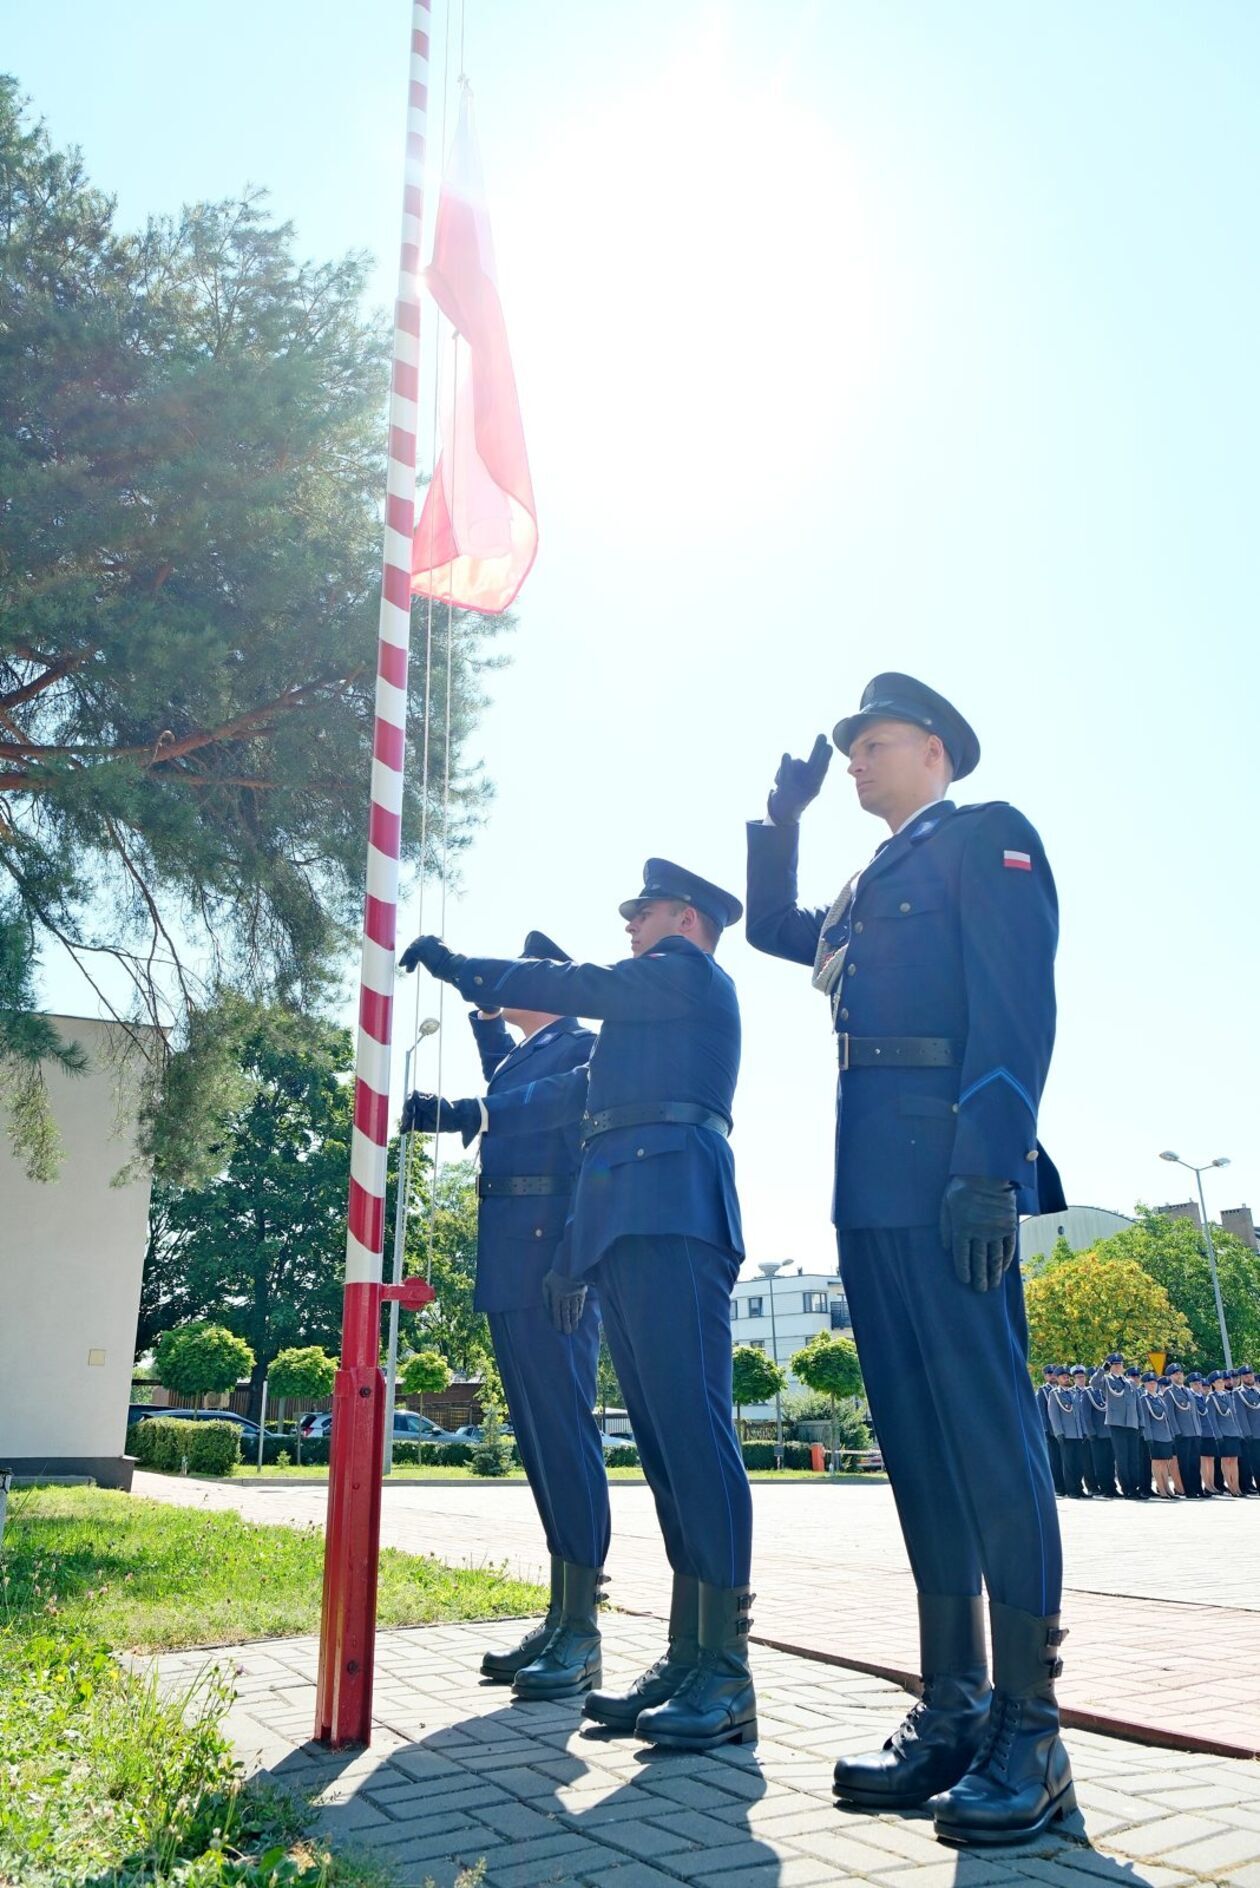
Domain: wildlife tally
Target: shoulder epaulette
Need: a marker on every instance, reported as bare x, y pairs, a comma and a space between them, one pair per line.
984, 806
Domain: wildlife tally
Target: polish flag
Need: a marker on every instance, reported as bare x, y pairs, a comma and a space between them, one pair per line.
478, 531
1017, 861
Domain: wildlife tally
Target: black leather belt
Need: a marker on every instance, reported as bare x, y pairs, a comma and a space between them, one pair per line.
898, 1052
649, 1114
523, 1183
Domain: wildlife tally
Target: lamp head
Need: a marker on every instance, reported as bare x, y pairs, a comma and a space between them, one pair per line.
1222, 1160
1167, 1156
429, 1027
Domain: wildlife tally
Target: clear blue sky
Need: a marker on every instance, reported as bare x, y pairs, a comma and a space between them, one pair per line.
849, 337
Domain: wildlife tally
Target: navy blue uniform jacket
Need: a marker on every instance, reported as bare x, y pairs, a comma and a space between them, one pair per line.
951, 932
517, 1235
670, 1032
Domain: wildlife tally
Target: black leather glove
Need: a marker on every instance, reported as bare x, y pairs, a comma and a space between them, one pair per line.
798, 782
429, 1114
565, 1299
980, 1227
433, 954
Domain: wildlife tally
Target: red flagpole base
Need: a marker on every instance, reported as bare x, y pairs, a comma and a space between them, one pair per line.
352, 1547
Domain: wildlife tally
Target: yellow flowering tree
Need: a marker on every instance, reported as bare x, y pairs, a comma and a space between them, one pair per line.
1083, 1307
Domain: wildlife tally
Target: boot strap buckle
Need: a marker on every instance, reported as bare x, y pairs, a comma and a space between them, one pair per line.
1057, 1636
1055, 1668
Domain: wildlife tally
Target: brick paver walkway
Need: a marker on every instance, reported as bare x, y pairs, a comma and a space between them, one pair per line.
458, 1773
1162, 1603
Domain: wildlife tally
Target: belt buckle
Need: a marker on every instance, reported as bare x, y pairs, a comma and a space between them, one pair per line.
842, 1038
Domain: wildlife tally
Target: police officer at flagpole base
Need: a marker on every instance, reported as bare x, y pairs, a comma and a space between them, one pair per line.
524, 1192
936, 962
656, 1227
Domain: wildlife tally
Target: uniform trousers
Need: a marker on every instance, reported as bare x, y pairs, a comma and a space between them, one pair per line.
1249, 1465
1075, 1464
1188, 1463
1127, 1444
1103, 1457
667, 1316
1054, 1450
946, 1374
550, 1384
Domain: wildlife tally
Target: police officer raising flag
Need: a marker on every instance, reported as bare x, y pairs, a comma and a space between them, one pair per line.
656, 1228
936, 962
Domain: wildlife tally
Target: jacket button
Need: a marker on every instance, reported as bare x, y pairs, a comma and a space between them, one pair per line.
478, 979
844, 1016
1031, 1155
903, 907
538, 1232
639, 1152
851, 970
858, 925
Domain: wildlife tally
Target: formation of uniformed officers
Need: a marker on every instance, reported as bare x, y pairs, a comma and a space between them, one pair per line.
607, 1191
1121, 1432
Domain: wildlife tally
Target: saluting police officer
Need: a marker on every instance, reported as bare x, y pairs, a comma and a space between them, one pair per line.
1221, 1396
656, 1226
1122, 1421
1209, 1434
1157, 1433
524, 1192
937, 965
1102, 1456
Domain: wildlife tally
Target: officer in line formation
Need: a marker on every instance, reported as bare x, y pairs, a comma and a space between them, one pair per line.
1110, 1433
524, 1193
936, 964
654, 1226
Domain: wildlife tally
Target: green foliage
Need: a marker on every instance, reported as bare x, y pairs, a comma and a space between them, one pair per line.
625, 1455
28, 1042
164, 1442
191, 458
199, 1357
760, 1455
445, 1250
424, 1373
829, 1364
302, 1371
1081, 1308
608, 1391
754, 1376
259, 1244
492, 1455
442, 1454
1173, 1253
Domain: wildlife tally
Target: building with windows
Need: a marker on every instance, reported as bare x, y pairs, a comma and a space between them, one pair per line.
780, 1313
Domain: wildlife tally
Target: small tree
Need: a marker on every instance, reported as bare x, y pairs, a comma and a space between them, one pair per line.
199, 1357
491, 1456
829, 1364
1088, 1305
608, 1389
305, 1371
424, 1374
754, 1379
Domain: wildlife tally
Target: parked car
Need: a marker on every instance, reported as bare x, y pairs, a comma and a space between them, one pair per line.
475, 1432
607, 1442
141, 1412
409, 1426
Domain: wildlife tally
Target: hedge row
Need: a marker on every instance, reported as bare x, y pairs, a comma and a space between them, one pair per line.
164, 1442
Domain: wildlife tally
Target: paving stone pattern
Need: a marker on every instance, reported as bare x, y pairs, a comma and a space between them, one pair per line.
459, 1773
1162, 1602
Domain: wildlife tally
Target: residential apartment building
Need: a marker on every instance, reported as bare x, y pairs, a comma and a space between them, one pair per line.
781, 1313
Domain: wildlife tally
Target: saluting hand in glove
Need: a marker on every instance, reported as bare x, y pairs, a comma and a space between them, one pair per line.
798, 782
980, 1228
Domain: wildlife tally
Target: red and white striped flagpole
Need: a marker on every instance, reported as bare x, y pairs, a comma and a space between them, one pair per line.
348, 1628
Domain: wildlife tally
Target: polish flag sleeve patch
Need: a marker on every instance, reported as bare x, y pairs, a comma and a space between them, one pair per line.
1017, 861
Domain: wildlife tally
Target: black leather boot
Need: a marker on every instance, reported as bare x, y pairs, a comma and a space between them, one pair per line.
936, 1742
715, 1703
620, 1710
503, 1666
571, 1661
1021, 1781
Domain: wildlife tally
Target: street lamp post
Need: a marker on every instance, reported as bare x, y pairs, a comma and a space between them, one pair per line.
768, 1269
1198, 1172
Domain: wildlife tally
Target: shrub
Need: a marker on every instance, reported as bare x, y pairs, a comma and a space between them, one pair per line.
760, 1455
406, 1454
625, 1455
163, 1442
443, 1454
492, 1455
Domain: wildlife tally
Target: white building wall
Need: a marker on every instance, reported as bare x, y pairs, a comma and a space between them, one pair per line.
71, 1256
793, 1324
1081, 1226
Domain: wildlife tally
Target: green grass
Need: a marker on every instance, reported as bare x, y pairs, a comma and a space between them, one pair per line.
105, 1783
410, 1474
